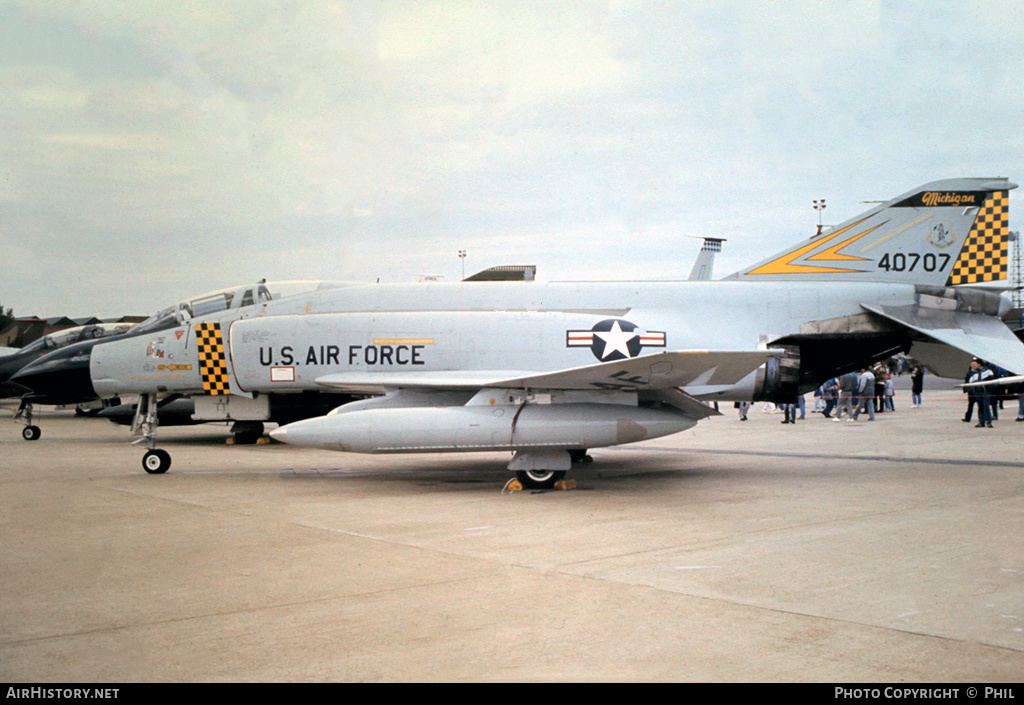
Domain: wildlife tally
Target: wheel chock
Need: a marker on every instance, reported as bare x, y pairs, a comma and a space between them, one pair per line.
517, 486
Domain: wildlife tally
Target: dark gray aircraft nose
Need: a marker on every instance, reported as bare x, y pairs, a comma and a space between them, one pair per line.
61, 377
9, 365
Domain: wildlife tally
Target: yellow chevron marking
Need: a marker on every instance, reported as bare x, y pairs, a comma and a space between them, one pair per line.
784, 264
833, 253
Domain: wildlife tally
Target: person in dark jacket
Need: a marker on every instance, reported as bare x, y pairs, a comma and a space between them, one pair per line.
916, 386
829, 392
980, 373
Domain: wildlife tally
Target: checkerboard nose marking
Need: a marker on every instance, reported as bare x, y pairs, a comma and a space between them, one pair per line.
213, 366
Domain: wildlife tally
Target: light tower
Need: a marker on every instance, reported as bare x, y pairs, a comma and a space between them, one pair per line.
819, 205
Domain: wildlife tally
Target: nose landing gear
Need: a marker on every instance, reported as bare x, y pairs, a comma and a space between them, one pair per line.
156, 461
30, 432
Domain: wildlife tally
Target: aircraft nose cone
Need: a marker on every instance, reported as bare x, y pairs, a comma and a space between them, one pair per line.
9, 367
62, 377
307, 433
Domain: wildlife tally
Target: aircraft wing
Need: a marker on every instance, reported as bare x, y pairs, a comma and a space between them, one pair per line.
697, 371
973, 334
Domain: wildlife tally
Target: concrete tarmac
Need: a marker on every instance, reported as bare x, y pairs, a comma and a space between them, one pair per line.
884, 551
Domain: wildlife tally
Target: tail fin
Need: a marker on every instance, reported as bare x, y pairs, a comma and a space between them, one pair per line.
944, 233
706, 259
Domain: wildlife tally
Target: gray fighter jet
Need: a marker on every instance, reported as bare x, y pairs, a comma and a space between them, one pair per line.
57, 375
549, 370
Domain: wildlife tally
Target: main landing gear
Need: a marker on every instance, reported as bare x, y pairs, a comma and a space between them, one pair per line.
541, 469
539, 479
157, 461
247, 433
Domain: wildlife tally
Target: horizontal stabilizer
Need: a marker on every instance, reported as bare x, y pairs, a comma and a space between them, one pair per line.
977, 335
684, 368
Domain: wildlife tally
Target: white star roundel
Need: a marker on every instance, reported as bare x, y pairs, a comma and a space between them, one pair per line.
614, 339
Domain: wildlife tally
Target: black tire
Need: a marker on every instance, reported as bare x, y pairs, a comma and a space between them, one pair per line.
539, 479
248, 438
249, 434
156, 462
31, 433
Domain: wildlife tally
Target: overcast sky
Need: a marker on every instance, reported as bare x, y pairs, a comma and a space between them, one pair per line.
150, 151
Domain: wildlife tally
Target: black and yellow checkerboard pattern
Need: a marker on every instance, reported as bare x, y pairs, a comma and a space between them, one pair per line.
984, 255
213, 366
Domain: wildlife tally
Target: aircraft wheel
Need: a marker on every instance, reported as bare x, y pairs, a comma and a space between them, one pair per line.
248, 438
31, 433
539, 479
156, 462
247, 433
580, 456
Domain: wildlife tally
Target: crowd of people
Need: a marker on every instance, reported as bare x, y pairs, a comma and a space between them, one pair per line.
871, 391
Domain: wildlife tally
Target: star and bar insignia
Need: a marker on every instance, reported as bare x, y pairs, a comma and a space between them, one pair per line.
614, 339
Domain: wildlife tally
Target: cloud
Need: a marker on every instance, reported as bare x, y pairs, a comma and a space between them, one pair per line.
184, 146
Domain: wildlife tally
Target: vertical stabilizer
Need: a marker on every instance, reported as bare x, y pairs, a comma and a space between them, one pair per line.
705, 263
945, 233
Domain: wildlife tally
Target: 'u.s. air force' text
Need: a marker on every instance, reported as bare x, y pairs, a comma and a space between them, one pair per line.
356, 355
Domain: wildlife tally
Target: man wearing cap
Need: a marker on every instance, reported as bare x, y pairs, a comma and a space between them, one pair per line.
981, 373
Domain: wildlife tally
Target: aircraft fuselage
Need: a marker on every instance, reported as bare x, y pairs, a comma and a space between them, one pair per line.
480, 327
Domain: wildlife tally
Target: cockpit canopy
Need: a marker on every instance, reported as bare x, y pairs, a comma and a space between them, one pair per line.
76, 335
231, 298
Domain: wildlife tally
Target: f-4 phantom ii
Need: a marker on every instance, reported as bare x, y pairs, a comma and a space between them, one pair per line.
14, 361
17, 358
60, 376
550, 370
